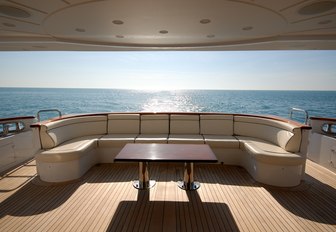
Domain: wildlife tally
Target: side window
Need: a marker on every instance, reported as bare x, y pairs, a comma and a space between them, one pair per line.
11, 127
329, 128
325, 127
21, 126
333, 129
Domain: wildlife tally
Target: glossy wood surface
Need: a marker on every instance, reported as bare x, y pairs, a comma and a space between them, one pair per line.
16, 118
323, 119
138, 152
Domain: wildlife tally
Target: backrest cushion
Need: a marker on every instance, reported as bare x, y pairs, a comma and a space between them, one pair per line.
155, 124
216, 124
57, 132
283, 134
184, 124
123, 124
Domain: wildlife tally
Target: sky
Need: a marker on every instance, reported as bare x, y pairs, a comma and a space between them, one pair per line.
236, 70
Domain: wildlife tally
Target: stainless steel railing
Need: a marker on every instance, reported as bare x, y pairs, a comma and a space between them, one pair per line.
47, 111
305, 112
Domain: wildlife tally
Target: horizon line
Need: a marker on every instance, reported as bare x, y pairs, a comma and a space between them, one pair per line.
177, 89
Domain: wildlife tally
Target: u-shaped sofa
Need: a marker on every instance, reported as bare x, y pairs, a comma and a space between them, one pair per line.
272, 150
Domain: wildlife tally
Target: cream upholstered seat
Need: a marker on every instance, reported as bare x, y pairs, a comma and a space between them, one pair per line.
112, 140
154, 129
271, 150
53, 134
267, 152
121, 129
69, 147
71, 150
217, 131
185, 129
285, 135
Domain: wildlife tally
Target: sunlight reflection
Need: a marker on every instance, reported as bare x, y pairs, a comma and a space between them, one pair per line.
176, 102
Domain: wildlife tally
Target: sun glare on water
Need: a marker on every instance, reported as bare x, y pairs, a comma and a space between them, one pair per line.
177, 102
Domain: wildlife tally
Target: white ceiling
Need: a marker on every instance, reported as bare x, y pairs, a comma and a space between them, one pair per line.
167, 25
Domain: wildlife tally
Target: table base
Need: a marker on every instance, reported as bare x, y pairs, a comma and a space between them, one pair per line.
188, 186
143, 185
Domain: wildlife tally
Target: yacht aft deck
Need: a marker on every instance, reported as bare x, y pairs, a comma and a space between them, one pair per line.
228, 200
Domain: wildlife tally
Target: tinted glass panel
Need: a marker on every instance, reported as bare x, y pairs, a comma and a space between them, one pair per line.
333, 128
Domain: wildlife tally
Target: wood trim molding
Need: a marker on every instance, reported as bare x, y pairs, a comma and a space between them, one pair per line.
16, 118
323, 119
271, 117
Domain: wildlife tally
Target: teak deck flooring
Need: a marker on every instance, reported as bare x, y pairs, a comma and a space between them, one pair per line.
104, 200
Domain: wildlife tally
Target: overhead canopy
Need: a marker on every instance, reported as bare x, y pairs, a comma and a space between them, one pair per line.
114, 25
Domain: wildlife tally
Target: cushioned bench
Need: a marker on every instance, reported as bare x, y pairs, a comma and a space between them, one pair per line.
122, 129
185, 129
154, 129
271, 150
217, 131
69, 147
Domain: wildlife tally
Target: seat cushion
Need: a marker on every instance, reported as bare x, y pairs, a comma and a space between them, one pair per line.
267, 152
155, 124
152, 138
223, 141
216, 124
184, 124
184, 138
57, 132
111, 140
123, 124
285, 135
70, 150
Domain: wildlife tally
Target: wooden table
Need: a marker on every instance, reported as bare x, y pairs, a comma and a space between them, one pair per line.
187, 153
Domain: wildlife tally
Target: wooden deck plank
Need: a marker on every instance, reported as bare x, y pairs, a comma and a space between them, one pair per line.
169, 214
156, 221
231, 196
264, 220
219, 215
228, 200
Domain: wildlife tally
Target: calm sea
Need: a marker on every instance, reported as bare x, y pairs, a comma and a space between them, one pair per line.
27, 101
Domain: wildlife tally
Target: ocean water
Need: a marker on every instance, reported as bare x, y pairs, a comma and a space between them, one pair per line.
27, 101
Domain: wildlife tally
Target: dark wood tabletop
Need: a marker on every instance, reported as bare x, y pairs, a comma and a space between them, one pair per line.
141, 152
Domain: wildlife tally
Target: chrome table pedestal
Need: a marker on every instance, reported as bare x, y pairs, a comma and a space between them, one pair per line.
188, 182
144, 182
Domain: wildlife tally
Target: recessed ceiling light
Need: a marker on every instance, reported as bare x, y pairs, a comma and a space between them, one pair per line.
205, 21
317, 8
163, 31
80, 29
14, 11
211, 36
117, 22
9, 24
120, 36
248, 28
325, 22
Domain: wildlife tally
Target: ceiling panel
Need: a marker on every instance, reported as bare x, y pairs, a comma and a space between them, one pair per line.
46, 6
